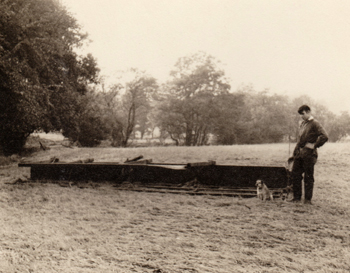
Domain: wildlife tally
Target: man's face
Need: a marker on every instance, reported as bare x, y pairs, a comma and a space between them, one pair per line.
305, 115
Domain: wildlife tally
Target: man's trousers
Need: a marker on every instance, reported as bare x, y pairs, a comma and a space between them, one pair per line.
304, 166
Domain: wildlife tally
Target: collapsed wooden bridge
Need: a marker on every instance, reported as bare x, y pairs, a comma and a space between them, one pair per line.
143, 175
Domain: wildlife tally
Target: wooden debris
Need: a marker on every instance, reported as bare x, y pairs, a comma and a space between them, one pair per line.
87, 160
199, 164
42, 146
54, 159
190, 184
145, 161
134, 159
206, 173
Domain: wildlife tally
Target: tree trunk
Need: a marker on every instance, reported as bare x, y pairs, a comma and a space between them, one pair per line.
130, 126
188, 138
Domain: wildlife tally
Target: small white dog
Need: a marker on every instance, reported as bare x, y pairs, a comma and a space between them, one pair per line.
263, 191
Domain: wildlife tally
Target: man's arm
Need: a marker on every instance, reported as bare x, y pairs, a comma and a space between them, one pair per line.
322, 135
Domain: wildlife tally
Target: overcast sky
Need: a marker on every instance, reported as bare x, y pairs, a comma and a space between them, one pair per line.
291, 47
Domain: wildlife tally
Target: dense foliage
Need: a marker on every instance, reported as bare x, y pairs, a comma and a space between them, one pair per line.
41, 77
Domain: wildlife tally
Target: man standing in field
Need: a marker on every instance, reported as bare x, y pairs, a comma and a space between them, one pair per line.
311, 136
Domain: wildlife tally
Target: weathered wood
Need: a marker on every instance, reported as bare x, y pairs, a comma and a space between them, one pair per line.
87, 160
54, 159
134, 159
195, 192
145, 161
42, 146
224, 176
200, 164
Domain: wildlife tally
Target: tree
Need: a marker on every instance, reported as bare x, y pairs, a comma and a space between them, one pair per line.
87, 126
171, 119
268, 117
41, 76
339, 127
189, 97
127, 104
135, 101
143, 119
230, 127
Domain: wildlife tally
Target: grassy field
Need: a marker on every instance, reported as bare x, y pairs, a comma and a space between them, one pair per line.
48, 228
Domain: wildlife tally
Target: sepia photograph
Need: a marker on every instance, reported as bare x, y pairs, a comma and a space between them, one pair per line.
174, 136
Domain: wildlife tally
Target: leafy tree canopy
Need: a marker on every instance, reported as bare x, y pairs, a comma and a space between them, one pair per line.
198, 73
188, 108
127, 104
40, 74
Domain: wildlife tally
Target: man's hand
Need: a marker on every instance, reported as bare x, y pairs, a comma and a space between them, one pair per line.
310, 145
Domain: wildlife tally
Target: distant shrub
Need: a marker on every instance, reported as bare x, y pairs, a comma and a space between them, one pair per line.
89, 131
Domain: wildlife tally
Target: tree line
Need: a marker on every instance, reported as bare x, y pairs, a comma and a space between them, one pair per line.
45, 85
197, 106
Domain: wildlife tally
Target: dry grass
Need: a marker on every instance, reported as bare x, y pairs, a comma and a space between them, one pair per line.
47, 228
